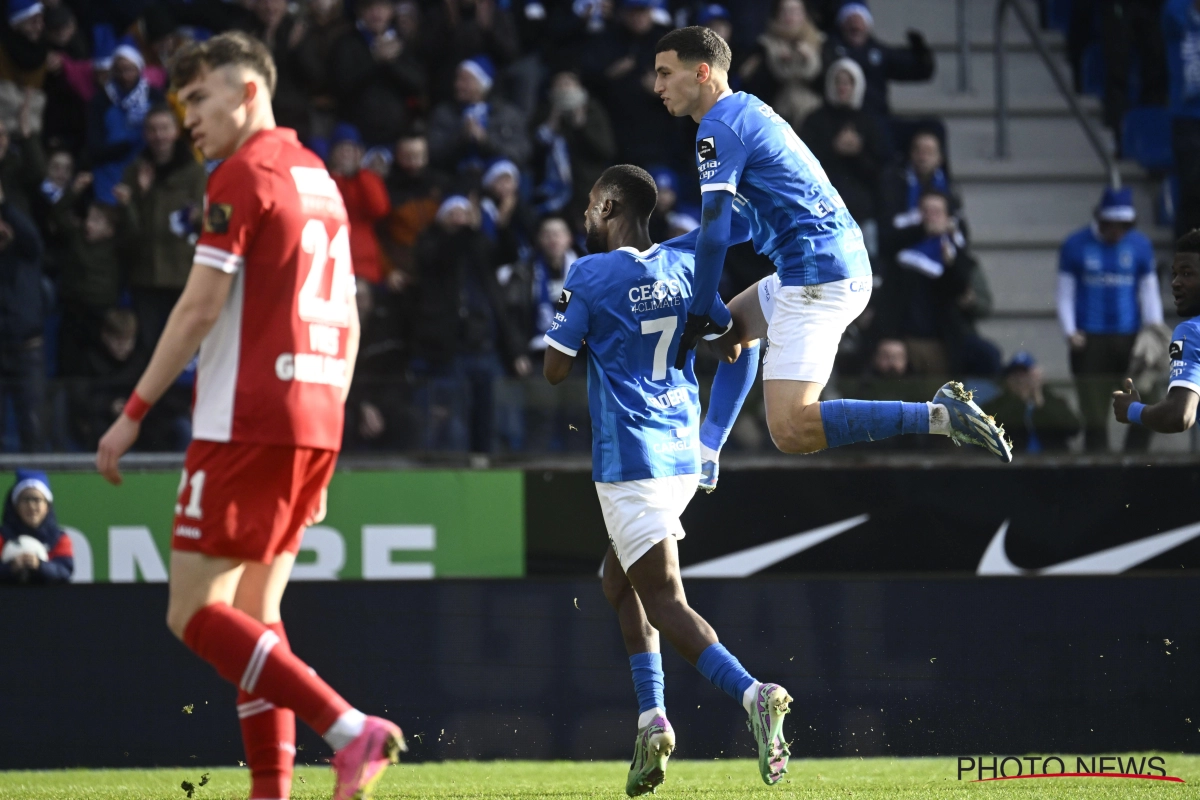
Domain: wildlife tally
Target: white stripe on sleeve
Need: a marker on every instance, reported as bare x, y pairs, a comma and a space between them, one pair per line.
562, 348
217, 258
718, 187
1150, 300
1066, 303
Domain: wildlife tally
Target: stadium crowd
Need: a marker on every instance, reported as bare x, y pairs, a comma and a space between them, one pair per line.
464, 136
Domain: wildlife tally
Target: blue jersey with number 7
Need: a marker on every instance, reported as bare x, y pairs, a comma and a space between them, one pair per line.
797, 219
630, 308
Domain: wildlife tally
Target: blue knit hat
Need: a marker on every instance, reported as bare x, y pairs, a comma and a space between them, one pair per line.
482, 68
1116, 205
664, 178
345, 132
104, 43
21, 10
32, 479
858, 7
710, 12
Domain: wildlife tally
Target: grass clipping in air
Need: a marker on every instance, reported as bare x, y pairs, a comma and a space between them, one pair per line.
866, 779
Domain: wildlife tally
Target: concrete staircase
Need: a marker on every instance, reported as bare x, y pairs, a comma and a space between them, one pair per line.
1020, 209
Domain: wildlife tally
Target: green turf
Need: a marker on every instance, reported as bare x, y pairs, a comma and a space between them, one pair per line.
844, 779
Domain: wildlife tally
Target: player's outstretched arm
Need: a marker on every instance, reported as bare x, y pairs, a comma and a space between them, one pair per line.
557, 366
1174, 414
716, 222
192, 318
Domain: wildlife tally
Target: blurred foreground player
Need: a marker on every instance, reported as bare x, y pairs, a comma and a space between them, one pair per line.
1177, 411
269, 303
628, 301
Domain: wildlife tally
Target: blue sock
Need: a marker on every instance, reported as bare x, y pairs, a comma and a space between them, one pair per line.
648, 680
729, 389
849, 421
724, 671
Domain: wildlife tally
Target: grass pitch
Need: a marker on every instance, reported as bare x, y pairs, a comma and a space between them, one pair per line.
870, 779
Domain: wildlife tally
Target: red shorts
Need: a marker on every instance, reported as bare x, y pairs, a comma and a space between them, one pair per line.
249, 501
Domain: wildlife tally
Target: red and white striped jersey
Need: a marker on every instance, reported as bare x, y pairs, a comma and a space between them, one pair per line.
273, 368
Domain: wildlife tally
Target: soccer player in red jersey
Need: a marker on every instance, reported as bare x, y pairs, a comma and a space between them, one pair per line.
270, 305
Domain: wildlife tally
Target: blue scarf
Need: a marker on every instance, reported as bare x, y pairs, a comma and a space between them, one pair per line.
938, 181
925, 257
135, 105
558, 185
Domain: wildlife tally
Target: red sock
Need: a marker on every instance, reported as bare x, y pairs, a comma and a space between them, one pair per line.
246, 653
269, 737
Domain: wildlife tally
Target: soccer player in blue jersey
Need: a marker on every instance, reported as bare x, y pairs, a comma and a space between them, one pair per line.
628, 301
1177, 411
751, 162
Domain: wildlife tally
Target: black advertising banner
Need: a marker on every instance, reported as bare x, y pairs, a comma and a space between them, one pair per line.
1062, 520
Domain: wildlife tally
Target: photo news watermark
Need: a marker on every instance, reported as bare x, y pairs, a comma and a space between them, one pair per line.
979, 769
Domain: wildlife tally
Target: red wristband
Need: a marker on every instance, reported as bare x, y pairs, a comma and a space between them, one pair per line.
136, 407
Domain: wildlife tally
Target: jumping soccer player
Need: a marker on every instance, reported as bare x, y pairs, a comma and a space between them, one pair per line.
750, 158
270, 305
1177, 411
628, 301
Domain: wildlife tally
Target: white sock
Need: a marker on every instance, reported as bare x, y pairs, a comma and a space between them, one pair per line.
939, 419
347, 728
646, 717
708, 454
749, 696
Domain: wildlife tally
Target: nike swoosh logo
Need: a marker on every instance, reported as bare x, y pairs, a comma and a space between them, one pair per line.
745, 563
1112, 561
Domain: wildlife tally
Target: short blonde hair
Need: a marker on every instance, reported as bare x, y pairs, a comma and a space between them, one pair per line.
230, 48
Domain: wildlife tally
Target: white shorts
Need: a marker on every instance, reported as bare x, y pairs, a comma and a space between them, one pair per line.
805, 325
640, 514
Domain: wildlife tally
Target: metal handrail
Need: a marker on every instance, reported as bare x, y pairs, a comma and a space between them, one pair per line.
964, 47
1001, 67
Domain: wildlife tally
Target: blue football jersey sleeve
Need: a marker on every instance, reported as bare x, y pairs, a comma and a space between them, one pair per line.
1185, 356
720, 156
569, 328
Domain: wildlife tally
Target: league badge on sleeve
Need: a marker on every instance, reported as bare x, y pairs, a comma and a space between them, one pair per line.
706, 149
216, 218
1175, 351
564, 300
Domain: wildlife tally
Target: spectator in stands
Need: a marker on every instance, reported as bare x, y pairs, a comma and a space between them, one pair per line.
1181, 28
850, 146
1036, 419
374, 76
504, 218
22, 167
716, 18
880, 63
924, 171
65, 118
91, 254
159, 201
416, 192
115, 118
934, 295
366, 199
531, 288
574, 144
325, 25
111, 366
1107, 291
668, 196
282, 32
475, 128
462, 29
378, 407
618, 67
23, 65
463, 340
35, 548
1129, 26
22, 320
785, 64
